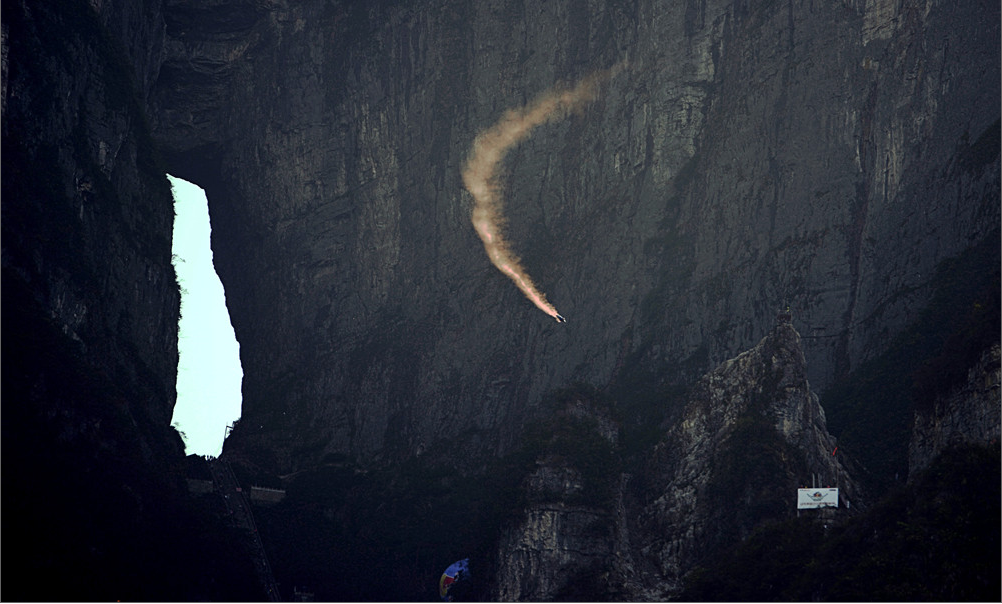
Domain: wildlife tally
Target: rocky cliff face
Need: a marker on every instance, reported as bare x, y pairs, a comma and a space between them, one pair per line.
93, 493
828, 155
968, 415
751, 433
570, 541
825, 155
90, 307
87, 214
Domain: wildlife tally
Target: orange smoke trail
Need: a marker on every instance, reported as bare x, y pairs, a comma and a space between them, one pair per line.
489, 149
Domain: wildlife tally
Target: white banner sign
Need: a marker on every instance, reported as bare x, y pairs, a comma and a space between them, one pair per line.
817, 498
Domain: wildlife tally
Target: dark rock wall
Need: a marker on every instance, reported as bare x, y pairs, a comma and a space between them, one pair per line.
751, 434
829, 150
90, 310
87, 210
94, 498
569, 539
969, 415
87, 218
749, 155
822, 155
825, 156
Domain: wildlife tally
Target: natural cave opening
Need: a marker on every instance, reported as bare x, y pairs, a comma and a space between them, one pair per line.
209, 374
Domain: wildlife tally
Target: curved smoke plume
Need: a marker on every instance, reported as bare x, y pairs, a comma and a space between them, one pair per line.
489, 149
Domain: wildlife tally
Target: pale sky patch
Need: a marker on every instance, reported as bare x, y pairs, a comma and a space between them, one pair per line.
209, 372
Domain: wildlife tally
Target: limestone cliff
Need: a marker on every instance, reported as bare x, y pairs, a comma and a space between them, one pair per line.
569, 540
87, 211
93, 494
827, 155
751, 433
968, 415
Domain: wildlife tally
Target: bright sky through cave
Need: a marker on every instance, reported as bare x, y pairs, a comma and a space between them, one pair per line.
208, 371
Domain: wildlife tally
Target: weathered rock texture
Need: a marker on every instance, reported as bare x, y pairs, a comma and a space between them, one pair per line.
557, 550
825, 154
93, 491
571, 540
752, 433
87, 215
90, 307
969, 415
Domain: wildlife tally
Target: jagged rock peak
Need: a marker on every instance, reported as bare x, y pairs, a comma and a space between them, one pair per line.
750, 435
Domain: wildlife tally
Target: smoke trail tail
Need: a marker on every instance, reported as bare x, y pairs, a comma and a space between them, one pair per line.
490, 148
